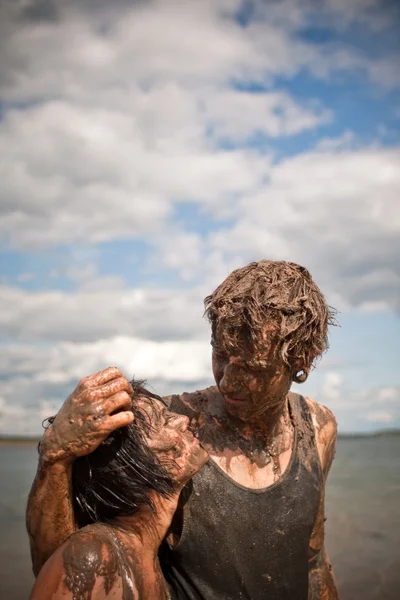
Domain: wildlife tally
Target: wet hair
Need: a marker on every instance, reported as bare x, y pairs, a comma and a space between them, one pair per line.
276, 293
115, 479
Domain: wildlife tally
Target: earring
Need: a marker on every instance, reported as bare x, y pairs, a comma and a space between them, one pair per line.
300, 376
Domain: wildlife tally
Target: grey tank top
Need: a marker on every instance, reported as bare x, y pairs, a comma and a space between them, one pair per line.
240, 543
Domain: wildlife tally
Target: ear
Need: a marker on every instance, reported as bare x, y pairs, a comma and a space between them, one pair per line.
302, 367
306, 362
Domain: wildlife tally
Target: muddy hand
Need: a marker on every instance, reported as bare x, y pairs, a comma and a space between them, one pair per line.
100, 404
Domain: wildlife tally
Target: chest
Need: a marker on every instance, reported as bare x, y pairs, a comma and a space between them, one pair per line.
260, 471
255, 540
241, 470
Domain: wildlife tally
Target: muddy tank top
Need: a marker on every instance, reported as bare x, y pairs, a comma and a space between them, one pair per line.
241, 543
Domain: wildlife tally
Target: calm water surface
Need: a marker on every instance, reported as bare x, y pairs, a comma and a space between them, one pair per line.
363, 526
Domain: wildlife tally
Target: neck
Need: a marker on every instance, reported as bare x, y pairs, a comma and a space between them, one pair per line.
147, 529
266, 424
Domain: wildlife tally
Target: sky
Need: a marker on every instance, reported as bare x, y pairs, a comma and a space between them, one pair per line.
148, 148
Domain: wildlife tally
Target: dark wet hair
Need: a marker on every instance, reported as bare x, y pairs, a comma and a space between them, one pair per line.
115, 479
277, 292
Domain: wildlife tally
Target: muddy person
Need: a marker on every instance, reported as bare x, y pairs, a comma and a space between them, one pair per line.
124, 495
250, 523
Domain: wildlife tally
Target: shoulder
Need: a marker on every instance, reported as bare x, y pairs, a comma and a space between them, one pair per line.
191, 403
325, 431
82, 560
323, 418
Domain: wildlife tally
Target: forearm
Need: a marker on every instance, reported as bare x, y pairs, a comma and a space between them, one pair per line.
49, 515
321, 581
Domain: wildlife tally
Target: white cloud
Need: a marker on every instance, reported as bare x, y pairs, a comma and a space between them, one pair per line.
332, 386
235, 116
364, 409
336, 212
345, 141
72, 173
115, 113
37, 379
96, 312
380, 416
63, 362
388, 394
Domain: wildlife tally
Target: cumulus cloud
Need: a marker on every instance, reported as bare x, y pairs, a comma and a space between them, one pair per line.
332, 386
196, 42
367, 409
35, 380
115, 114
89, 314
336, 212
380, 416
114, 128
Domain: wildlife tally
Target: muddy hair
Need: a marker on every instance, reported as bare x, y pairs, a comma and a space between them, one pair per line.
114, 480
271, 293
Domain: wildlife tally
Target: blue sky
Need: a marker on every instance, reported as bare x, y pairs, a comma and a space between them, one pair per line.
150, 148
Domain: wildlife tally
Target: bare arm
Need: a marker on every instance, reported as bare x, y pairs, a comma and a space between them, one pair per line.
81, 567
100, 404
101, 564
49, 515
321, 579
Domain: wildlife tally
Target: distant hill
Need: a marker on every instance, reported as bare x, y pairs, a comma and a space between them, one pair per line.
34, 440
14, 440
381, 433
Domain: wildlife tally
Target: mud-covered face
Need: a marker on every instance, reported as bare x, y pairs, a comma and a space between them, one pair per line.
251, 383
170, 440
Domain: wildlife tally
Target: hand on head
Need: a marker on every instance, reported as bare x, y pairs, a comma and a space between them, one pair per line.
99, 404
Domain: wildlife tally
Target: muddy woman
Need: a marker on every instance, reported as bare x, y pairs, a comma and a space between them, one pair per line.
250, 522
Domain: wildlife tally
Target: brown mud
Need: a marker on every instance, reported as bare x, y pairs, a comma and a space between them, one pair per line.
99, 552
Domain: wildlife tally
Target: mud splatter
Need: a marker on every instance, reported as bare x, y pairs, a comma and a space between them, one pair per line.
97, 551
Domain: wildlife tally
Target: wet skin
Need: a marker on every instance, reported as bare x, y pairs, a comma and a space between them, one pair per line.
254, 385
171, 440
248, 418
99, 404
49, 515
120, 560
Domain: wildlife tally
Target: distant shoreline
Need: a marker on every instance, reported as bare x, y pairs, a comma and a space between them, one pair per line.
372, 434
19, 441
33, 441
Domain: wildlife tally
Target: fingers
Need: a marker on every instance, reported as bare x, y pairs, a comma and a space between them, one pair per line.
100, 378
121, 384
120, 400
118, 420
90, 393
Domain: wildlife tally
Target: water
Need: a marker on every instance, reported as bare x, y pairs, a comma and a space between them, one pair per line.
363, 526
363, 510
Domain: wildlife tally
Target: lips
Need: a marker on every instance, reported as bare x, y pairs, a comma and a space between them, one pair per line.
233, 401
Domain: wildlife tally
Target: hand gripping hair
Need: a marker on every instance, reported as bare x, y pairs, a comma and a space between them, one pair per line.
115, 479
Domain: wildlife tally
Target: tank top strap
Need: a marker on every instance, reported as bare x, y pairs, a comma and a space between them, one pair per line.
304, 427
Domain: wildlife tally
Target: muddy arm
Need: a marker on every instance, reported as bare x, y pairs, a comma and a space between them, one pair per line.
101, 566
81, 567
321, 578
100, 404
49, 515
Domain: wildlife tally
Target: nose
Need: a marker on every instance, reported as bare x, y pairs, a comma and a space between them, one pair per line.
230, 379
180, 422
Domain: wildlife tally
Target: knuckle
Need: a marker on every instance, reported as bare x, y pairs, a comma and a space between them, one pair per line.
84, 383
91, 395
114, 370
122, 382
122, 397
118, 385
